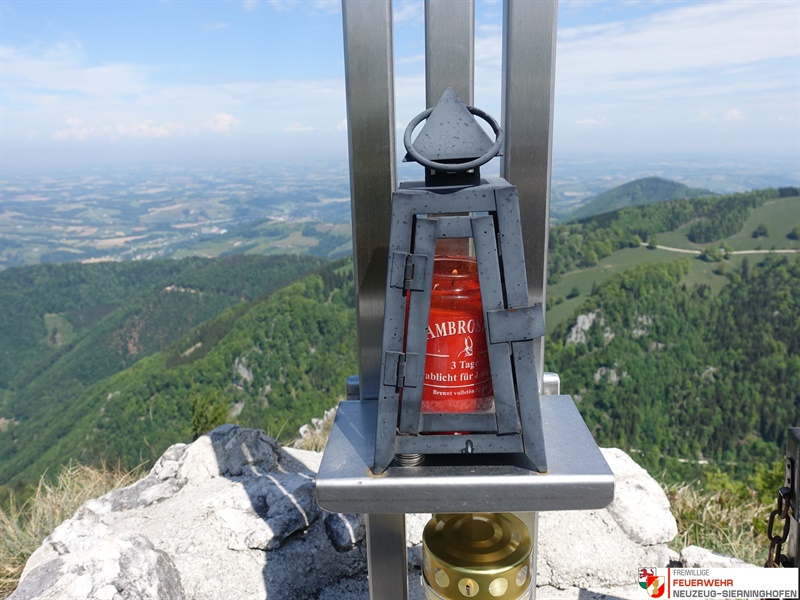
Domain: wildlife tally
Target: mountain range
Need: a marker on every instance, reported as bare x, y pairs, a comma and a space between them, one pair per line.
681, 359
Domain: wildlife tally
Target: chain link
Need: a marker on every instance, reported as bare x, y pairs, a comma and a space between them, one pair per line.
774, 557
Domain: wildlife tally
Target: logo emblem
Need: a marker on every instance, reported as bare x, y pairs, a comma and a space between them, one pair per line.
653, 583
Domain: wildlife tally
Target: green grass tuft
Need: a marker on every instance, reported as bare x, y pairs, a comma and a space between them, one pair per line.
726, 516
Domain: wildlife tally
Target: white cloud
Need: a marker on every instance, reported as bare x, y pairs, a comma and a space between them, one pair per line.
216, 26
298, 128
681, 65
147, 130
734, 114
78, 130
408, 11
678, 50
62, 68
81, 130
689, 38
222, 123
54, 91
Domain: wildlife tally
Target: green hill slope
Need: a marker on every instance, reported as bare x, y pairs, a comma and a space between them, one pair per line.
65, 327
707, 219
682, 376
112, 362
273, 363
47, 310
649, 190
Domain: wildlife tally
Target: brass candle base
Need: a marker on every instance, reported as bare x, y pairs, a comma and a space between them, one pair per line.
476, 555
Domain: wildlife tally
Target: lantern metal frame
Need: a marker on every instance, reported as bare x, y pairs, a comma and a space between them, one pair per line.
448, 205
512, 324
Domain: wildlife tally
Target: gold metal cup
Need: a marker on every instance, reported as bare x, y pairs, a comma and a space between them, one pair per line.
476, 555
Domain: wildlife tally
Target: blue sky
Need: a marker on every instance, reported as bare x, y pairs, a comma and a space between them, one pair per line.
85, 82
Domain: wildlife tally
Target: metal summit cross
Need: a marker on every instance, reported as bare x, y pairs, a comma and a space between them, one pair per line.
549, 461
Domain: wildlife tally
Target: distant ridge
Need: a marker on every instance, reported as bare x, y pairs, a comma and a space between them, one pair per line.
649, 190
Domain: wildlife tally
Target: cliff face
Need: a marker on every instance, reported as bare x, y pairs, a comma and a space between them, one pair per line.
233, 515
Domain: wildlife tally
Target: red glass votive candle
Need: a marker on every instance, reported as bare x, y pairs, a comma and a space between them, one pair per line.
457, 373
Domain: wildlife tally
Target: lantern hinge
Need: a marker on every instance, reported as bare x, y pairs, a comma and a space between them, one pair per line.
401, 369
408, 271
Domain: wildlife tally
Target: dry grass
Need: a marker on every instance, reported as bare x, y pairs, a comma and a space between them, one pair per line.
22, 528
315, 436
721, 521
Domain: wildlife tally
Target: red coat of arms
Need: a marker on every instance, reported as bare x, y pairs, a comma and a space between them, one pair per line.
653, 584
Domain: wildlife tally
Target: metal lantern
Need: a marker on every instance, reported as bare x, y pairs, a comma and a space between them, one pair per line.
458, 332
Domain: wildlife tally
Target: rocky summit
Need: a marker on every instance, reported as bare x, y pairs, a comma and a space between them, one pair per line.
234, 516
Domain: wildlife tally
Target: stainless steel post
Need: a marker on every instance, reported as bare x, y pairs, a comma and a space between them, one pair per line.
450, 62
369, 79
529, 49
386, 556
449, 49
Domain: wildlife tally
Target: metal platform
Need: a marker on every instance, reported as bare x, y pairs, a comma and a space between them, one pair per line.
578, 477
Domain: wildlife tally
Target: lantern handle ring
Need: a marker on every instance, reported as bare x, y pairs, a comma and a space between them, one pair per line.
438, 166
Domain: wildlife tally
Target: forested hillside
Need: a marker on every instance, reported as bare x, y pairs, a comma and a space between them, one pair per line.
131, 309
649, 190
683, 376
64, 327
120, 360
274, 363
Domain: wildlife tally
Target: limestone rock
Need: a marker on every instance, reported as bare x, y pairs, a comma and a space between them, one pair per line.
345, 530
115, 568
602, 548
232, 515
415, 525
696, 557
640, 506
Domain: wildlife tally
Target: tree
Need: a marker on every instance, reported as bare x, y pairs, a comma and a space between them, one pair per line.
760, 231
726, 250
794, 234
711, 255
209, 410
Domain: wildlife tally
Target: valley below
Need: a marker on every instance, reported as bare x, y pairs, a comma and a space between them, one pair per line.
137, 313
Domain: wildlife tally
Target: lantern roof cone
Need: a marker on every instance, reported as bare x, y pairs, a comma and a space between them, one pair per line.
451, 133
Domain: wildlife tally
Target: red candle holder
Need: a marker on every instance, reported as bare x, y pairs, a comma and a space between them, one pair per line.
458, 377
